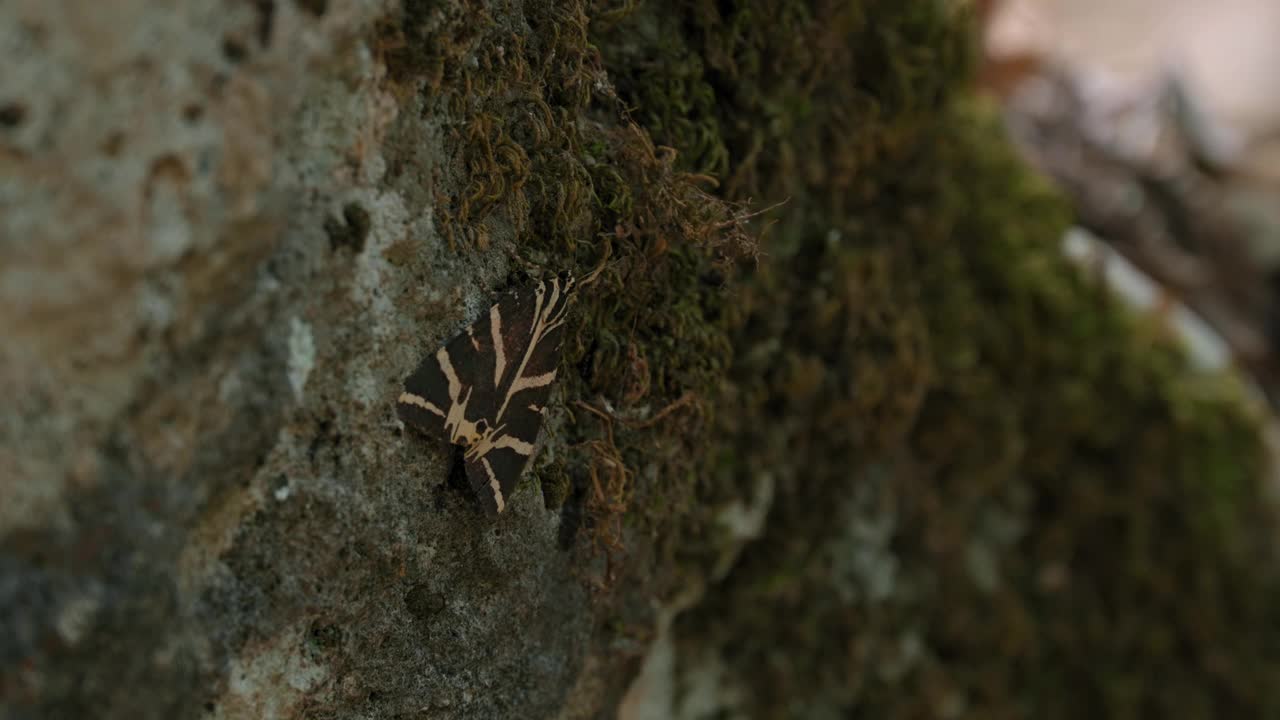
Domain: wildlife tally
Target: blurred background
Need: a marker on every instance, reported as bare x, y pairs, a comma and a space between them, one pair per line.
1161, 121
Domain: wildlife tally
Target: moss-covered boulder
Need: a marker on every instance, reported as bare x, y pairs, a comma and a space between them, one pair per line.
837, 433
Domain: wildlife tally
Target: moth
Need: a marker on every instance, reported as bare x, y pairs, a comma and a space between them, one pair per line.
487, 389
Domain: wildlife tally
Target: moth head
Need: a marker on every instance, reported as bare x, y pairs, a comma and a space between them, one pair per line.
563, 280
566, 283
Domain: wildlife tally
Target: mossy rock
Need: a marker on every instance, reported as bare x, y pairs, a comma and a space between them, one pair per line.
995, 493
1077, 517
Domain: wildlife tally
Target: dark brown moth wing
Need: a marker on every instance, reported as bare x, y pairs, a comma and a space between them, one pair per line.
452, 380
495, 473
486, 388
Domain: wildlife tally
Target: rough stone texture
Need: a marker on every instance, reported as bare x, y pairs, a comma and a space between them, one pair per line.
228, 229
209, 509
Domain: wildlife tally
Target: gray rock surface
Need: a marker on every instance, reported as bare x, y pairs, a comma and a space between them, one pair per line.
208, 507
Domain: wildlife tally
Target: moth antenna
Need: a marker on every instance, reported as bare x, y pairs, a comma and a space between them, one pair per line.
757, 213
530, 268
608, 249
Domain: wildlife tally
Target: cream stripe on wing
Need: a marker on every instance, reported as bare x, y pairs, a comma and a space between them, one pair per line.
537, 311
535, 381
455, 423
514, 443
493, 484
499, 352
528, 353
551, 304
553, 325
540, 322
446, 366
408, 398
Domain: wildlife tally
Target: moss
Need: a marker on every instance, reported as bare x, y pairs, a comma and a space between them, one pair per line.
996, 493
427, 40
1078, 517
666, 85
547, 161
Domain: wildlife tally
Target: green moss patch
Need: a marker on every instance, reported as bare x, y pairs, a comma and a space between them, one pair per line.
996, 493
547, 160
